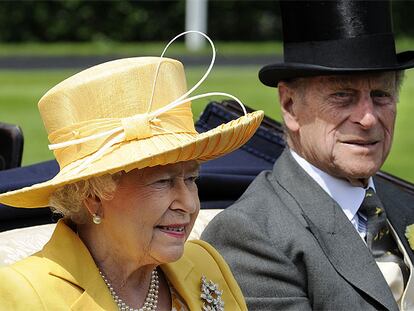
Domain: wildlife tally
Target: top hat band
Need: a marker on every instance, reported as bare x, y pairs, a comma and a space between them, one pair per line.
371, 51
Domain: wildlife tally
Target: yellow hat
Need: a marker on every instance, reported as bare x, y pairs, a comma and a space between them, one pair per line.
115, 121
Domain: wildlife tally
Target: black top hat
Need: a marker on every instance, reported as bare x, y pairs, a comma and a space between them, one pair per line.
333, 37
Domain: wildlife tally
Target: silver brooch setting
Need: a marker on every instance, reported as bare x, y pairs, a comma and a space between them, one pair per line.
211, 296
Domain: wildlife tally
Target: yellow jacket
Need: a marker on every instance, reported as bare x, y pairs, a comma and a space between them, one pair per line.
63, 276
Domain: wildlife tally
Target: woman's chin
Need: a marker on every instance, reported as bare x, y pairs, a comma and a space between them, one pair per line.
169, 254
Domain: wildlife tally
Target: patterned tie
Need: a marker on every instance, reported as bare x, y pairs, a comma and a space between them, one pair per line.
379, 238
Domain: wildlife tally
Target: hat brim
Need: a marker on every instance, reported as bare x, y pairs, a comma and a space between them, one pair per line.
271, 75
157, 150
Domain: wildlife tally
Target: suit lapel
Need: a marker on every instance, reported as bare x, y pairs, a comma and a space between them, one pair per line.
70, 260
333, 231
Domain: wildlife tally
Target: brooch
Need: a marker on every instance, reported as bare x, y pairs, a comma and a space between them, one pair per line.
409, 234
211, 296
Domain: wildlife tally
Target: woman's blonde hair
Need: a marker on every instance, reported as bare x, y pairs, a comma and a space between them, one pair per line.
69, 199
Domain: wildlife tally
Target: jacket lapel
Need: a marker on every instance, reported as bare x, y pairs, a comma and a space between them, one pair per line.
334, 232
182, 277
70, 260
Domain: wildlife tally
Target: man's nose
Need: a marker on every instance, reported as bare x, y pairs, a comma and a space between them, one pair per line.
364, 112
185, 198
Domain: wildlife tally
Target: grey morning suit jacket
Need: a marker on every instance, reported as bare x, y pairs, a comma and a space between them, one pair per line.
291, 247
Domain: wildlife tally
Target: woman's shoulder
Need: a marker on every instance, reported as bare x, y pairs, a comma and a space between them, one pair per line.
17, 283
29, 266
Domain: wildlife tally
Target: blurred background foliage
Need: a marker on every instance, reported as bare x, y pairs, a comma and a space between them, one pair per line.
77, 20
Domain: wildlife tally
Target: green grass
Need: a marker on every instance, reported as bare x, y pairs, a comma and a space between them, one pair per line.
134, 48
20, 91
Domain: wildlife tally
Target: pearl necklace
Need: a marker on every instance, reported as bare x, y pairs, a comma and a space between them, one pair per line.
151, 301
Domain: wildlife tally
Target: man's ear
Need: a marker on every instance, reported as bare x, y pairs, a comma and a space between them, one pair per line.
94, 205
288, 106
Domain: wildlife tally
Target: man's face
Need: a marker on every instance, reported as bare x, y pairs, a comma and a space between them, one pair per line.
344, 124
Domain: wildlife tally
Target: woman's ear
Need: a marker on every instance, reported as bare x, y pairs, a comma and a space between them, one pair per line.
288, 105
94, 205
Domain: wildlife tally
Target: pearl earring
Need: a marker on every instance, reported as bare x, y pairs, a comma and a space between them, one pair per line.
96, 219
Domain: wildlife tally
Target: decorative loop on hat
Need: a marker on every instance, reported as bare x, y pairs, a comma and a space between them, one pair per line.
137, 127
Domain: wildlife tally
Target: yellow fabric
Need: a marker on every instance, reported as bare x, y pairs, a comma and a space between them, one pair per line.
185, 276
63, 276
116, 96
99, 97
137, 126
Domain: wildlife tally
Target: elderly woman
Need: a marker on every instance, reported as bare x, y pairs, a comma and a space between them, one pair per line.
129, 155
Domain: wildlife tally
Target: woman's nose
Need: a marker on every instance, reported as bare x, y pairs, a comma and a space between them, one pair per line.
186, 196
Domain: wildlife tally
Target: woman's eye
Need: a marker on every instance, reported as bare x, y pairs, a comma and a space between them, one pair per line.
163, 182
191, 179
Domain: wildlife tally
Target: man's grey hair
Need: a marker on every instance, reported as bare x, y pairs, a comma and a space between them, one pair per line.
399, 79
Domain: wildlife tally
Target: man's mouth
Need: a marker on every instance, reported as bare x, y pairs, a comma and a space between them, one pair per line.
361, 142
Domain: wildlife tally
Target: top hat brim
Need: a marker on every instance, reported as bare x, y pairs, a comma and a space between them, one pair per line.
271, 75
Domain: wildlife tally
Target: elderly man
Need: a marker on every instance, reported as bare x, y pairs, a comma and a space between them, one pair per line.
320, 231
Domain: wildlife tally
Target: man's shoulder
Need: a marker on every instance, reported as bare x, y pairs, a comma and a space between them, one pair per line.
261, 194
262, 188
264, 208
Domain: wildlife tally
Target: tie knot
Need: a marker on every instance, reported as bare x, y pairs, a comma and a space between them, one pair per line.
371, 205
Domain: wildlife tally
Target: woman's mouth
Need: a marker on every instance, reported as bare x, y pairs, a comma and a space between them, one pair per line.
175, 230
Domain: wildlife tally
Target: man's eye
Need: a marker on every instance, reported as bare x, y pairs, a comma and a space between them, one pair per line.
342, 94
382, 97
342, 98
380, 94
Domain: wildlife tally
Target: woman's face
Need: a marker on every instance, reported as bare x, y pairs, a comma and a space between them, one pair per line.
152, 213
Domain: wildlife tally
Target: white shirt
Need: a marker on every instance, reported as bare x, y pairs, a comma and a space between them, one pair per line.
348, 197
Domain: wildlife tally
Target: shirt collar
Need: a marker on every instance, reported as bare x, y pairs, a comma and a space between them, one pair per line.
348, 197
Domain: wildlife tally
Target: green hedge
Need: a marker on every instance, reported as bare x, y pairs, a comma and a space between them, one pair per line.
76, 20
